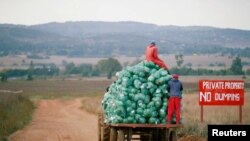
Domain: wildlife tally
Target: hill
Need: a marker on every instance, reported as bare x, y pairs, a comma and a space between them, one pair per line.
98, 39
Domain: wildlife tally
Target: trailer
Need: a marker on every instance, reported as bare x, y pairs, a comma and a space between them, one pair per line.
141, 132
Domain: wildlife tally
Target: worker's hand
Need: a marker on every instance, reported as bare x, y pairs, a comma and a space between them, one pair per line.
168, 72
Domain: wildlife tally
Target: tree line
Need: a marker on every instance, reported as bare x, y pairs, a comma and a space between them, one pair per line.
104, 67
108, 67
236, 68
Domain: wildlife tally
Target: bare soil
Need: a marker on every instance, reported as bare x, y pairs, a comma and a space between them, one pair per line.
59, 120
64, 120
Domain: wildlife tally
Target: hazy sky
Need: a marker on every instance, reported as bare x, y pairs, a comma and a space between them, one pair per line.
218, 13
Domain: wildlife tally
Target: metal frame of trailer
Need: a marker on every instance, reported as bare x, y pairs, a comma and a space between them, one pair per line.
140, 132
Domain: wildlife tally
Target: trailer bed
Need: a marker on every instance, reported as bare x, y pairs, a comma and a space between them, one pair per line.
147, 125
144, 132
140, 132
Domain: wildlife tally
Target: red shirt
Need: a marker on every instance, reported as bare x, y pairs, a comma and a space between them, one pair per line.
152, 55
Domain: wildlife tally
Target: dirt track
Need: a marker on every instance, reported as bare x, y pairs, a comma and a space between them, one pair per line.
59, 120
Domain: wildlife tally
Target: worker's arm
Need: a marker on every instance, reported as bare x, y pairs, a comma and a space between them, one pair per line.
157, 60
181, 87
107, 89
155, 53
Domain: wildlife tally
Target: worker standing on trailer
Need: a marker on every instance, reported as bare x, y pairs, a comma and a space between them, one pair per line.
174, 102
152, 55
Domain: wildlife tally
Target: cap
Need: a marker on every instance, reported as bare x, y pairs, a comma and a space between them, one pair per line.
152, 42
176, 76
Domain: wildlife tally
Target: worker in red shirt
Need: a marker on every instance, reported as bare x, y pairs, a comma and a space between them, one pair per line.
152, 55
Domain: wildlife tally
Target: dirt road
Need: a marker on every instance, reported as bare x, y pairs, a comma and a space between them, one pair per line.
59, 120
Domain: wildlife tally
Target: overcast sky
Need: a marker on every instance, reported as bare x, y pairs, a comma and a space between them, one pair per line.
217, 13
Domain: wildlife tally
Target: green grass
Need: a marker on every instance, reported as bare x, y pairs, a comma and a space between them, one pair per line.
15, 113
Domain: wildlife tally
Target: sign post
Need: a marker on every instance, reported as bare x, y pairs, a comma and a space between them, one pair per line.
221, 92
201, 113
240, 114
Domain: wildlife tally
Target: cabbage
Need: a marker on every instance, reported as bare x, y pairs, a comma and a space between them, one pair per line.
138, 96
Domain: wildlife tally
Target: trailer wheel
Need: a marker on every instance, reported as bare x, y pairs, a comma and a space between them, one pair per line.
164, 135
121, 135
103, 129
106, 133
148, 135
99, 126
155, 135
144, 138
172, 136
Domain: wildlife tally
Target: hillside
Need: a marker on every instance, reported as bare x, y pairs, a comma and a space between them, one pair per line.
98, 39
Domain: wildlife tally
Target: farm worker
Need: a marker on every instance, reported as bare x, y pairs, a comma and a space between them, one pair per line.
174, 102
152, 55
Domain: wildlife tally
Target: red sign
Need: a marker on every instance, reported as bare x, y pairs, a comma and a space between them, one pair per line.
221, 92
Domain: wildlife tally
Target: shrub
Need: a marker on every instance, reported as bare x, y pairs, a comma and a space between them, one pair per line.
15, 112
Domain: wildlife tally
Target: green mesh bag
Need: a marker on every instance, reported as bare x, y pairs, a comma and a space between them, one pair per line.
163, 72
147, 113
137, 83
138, 96
162, 112
142, 120
149, 64
154, 120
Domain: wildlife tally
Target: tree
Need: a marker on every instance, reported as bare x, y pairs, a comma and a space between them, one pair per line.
179, 59
109, 75
95, 71
23, 61
236, 66
30, 71
109, 66
70, 68
3, 76
29, 77
248, 72
86, 69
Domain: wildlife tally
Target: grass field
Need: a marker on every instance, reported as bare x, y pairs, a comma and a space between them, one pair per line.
92, 91
57, 88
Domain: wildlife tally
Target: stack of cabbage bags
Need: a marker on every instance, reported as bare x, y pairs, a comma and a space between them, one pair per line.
139, 95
